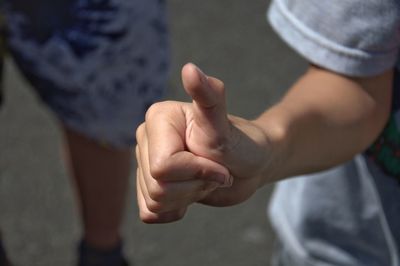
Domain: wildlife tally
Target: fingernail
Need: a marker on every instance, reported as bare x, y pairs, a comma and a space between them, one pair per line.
219, 178
212, 185
203, 77
228, 182
222, 179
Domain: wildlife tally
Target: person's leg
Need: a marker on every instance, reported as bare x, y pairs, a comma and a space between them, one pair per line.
2, 53
98, 68
3, 255
101, 177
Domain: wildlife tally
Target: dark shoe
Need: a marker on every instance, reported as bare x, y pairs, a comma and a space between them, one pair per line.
89, 256
3, 256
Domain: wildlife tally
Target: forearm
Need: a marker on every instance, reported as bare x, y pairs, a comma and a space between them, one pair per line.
196, 153
324, 120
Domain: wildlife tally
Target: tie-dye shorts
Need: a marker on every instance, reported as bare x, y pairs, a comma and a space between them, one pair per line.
98, 64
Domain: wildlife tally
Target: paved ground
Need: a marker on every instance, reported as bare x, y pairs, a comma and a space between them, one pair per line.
227, 38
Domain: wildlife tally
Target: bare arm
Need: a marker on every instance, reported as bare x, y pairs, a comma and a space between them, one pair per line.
195, 152
325, 119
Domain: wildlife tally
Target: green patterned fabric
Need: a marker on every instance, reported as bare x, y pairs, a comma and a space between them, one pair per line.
385, 151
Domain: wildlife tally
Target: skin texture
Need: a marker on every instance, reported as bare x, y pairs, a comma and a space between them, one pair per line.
196, 152
101, 176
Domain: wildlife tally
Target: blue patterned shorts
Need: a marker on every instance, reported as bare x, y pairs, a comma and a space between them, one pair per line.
98, 64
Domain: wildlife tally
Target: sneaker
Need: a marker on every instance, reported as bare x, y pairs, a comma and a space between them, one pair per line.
89, 256
3, 256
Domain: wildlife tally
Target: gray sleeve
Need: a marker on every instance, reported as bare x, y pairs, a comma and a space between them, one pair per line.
352, 37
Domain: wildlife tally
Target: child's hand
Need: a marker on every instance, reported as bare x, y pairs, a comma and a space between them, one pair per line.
192, 152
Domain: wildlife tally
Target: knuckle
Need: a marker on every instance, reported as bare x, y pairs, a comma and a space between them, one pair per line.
153, 110
156, 195
154, 206
147, 217
157, 192
168, 217
140, 131
157, 109
158, 168
159, 195
137, 152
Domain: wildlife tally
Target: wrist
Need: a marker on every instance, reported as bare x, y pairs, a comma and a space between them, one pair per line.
246, 154
276, 145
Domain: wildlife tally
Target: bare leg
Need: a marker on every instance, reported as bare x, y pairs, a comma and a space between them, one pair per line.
101, 176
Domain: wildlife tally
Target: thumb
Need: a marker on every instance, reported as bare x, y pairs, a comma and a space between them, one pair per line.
208, 96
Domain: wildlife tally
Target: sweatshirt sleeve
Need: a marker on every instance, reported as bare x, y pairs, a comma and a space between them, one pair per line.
351, 37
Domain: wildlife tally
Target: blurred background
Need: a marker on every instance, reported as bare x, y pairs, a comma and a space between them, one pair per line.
229, 39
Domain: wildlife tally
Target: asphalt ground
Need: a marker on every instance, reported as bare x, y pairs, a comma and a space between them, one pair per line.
229, 39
